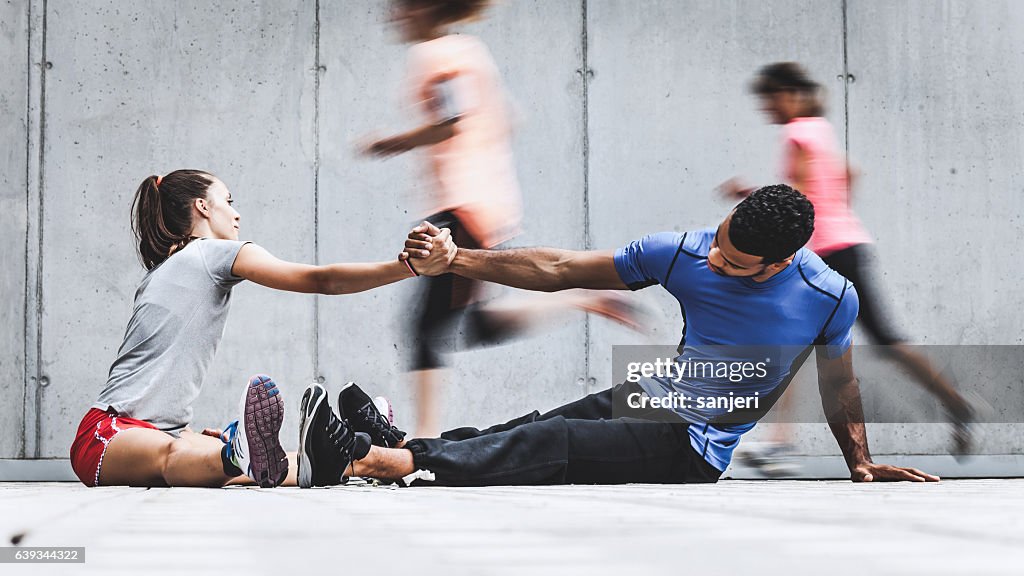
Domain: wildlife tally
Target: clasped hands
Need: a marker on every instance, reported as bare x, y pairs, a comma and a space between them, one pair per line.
429, 250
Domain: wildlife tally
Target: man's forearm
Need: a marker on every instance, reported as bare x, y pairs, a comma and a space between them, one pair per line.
845, 415
540, 269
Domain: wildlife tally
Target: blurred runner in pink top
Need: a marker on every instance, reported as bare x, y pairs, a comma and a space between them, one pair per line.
465, 135
813, 158
815, 165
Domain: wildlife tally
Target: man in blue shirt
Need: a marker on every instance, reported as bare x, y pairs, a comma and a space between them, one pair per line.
751, 296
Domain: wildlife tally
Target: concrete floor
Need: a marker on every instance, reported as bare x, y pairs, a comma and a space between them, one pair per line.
735, 527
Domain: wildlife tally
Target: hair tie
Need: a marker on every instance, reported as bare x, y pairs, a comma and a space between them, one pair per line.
409, 266
158, 180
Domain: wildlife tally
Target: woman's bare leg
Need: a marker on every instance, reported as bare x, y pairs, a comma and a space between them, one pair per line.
289, 481
428, 382
523, 313
929, 378
146, 457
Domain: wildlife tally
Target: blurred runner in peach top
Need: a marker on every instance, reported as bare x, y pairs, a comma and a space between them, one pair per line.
454, 79
465, 132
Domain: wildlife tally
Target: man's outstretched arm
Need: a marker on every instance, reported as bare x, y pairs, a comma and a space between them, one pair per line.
541, 269
840, 397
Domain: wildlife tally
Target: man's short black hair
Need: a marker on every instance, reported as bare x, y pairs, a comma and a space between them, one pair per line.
773, 222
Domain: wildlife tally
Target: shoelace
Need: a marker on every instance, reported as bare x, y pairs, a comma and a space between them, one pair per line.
229, 432
378, 424
343, 443
228, 437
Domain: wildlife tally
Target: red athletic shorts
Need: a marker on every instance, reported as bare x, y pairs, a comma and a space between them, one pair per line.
97, 429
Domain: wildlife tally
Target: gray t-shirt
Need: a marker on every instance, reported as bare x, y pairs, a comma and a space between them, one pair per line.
177, 322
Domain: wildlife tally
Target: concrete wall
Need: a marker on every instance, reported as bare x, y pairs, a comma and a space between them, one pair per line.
630, 113
144, 89
937, 127
942, 191
13, 221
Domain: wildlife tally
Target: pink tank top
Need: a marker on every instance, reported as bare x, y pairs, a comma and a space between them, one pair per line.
825, 184
472, 173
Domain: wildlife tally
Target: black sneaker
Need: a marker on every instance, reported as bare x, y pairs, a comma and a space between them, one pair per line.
362, 414
327, 444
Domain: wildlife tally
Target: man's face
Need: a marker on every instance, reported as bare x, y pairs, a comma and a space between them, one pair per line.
724, 259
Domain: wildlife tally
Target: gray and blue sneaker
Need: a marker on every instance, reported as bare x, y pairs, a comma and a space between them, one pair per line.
255, 446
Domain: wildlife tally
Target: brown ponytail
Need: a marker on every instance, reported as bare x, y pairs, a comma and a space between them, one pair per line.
162, 213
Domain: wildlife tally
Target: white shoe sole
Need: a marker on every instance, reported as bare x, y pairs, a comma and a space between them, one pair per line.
310, 403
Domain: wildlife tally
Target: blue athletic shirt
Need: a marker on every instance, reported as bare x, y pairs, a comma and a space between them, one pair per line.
807, 303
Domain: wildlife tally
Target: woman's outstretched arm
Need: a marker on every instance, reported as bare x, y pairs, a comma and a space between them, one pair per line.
254, 263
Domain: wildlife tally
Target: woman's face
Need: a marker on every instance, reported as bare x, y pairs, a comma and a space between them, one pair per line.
781, 107
222, 217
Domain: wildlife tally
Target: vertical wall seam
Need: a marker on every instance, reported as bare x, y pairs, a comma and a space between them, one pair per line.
846, 84
28, 231
316, 184
585, 76
586, 129
38, 397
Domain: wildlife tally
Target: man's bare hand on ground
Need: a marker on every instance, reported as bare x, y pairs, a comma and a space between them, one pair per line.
886, 473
